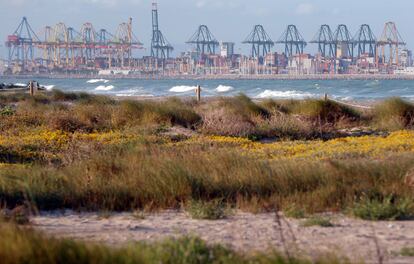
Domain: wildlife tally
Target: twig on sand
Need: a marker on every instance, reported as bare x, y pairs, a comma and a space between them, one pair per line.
282, 236
378, 250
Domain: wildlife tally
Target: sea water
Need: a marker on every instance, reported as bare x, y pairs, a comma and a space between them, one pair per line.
280, 89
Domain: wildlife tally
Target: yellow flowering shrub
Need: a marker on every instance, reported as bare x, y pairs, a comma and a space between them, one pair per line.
367, 146
47, 144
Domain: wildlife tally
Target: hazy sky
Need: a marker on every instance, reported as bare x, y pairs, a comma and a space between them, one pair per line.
229, 20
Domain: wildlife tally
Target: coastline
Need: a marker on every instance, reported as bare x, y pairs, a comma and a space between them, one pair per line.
221, 77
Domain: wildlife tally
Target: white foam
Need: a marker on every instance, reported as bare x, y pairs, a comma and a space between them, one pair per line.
284, 94
182, 89
49, 87
20, 84
224, 88
98, 80
104, 88
135, 95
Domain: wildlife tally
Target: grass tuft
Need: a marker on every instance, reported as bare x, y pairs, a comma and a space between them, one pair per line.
386, 209
18, 245
211, 210
394, 114
407, 252
294, 212
318, 221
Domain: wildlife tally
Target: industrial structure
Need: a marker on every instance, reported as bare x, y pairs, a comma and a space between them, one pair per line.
293, 41
392, 40
260, 42
324, 39
62, 49
204, 41
160, 47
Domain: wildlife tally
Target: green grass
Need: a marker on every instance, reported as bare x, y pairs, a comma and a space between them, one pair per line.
150, 173
135, 177
22, 245
293, 211
394, 114
407, 252
385, 209
318, 221
210, 210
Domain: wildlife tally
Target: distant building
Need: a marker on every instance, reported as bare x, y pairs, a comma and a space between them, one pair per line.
406, 58
227, 49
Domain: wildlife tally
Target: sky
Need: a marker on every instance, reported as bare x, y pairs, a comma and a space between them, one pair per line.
228, 20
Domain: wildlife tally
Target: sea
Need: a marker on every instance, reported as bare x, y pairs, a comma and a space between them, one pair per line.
346, 90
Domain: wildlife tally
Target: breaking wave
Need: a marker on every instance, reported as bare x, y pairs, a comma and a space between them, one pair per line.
182, 89
49, 87
98, 80
285, 94
104, 88
224, 88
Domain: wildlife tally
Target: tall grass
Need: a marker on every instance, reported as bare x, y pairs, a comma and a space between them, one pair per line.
18, 245
166, 177
394, 114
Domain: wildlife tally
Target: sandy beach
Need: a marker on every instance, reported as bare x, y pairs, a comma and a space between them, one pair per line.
356, 239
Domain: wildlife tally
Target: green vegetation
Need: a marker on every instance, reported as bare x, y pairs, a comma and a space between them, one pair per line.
86, 152
293, 211
318, 221
18, 245
407, 252
394, 114
388, 208
210, 210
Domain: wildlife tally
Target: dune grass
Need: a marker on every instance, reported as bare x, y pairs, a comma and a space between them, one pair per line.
385, 208
91, 152
394, 114
134, 177
318, 221
210, 210
22, 245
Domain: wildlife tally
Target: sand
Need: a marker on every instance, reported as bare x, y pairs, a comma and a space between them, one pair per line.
244, 232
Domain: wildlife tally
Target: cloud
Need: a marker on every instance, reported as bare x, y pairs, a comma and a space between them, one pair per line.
201, 4
305, 9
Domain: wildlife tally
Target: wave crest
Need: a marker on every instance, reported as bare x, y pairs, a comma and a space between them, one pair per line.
224, 88
98, 80
285, 94
182, 89
104, 88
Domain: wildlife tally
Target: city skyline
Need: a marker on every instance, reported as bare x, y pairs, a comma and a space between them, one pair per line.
228, 20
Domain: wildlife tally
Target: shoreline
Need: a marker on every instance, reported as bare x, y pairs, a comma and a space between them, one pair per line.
243, 232
220, 77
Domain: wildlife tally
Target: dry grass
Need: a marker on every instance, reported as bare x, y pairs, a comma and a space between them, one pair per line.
394, 114
165, 177
87, 152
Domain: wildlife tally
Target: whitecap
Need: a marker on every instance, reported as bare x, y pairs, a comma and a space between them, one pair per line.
49, 87
182, 89
98, 80
135, 95
104, 88
224, 88
20, 84
285, 94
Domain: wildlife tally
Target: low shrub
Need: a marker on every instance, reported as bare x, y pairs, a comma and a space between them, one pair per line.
388, 208
318, 221
210, 210
293, 211
394, 114
324, 111
234, 116
407, 252
23, 245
